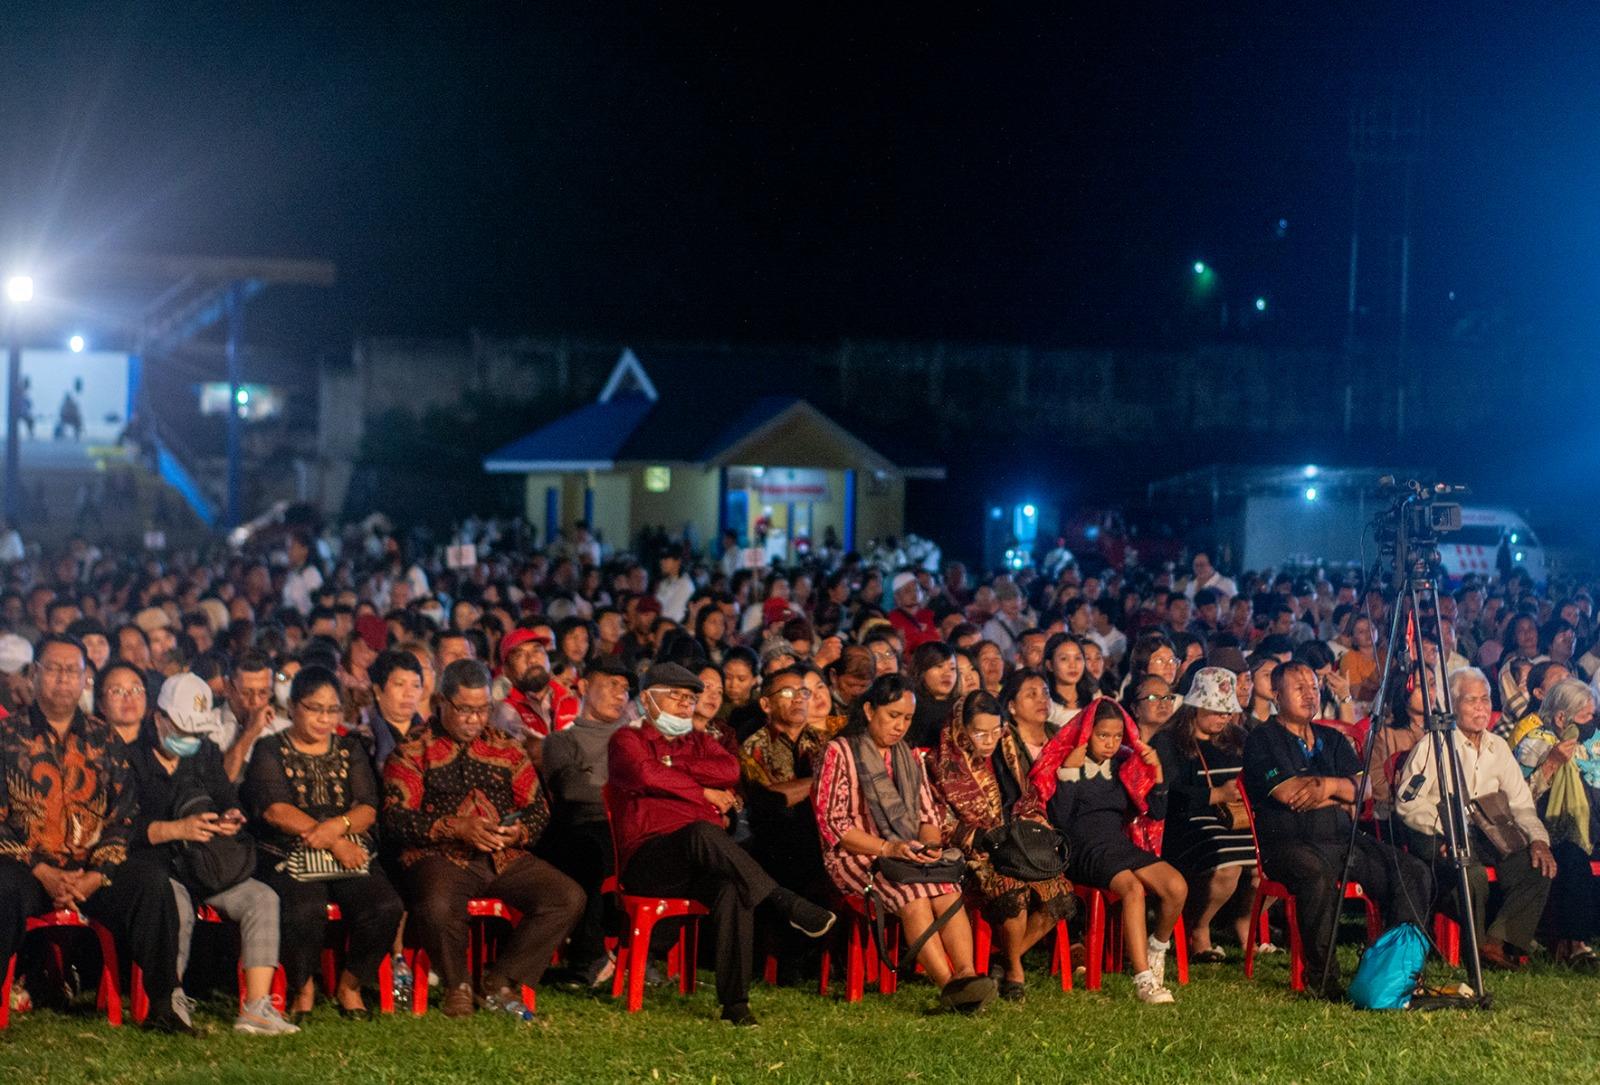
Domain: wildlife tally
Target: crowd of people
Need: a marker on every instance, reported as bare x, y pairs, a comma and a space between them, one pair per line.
266, 734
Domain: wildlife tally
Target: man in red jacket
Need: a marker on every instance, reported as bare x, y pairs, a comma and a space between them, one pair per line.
537, 706
669, 787
913, 621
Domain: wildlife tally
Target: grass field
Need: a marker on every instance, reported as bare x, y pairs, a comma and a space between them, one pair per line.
1544, 1028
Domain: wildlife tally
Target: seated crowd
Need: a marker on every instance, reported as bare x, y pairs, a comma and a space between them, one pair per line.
380, 741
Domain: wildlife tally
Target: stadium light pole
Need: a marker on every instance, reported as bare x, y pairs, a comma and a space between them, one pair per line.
19, 291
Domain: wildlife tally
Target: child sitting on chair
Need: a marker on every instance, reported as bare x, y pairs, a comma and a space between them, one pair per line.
1095, 777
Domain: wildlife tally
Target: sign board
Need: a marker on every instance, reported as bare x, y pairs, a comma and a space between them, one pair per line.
780, 485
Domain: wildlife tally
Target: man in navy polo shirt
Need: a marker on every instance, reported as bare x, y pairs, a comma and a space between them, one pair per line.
1301, 780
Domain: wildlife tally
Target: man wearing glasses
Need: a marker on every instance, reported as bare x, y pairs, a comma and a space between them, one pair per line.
669, 790
778, 761
67, 804
464, 804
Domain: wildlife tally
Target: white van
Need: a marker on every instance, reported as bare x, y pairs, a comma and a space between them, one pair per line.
1474, 548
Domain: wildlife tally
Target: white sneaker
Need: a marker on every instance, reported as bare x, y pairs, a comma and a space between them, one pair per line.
1149, 989
258, 1018
183, 1006
1157, 954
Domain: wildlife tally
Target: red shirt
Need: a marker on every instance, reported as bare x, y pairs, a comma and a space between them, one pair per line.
915, 629
656, 783
563, 703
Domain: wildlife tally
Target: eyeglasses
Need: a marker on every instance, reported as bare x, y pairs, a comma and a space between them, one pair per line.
471, 712
61, 670
793, 693
1162, 698
125, 691
326, 711
677, 696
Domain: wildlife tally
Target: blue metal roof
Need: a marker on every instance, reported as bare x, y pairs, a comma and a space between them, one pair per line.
591, 436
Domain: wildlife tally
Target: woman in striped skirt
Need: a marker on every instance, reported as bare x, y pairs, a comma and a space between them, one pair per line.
1201, 754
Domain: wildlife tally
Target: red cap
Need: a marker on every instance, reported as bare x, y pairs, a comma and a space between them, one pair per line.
776, 610
648, 604
517, 637
374, 630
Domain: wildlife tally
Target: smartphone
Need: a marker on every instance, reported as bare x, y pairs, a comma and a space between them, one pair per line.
511, 819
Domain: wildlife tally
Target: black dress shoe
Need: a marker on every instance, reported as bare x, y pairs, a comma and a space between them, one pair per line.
739, 1014
166, 1021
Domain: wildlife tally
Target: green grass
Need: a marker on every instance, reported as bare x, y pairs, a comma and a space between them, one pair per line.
1222, 1028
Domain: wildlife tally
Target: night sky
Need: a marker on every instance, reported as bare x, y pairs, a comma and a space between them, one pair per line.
998, 173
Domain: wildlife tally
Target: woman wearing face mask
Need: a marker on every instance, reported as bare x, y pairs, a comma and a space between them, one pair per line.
185, 803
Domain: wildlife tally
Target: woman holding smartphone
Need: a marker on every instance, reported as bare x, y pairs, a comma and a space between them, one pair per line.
187, 807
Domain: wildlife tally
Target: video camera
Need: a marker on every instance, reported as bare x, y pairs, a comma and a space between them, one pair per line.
1417, 516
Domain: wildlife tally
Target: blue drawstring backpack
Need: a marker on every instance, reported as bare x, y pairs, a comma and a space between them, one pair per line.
1389, 970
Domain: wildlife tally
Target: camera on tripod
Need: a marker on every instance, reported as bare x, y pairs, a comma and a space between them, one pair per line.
1419, 513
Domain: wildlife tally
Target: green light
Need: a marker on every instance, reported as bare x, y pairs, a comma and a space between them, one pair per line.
1199, 267
243, 396
1261, 305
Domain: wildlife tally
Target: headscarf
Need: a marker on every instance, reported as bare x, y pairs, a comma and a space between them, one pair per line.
1137, 777
979, 790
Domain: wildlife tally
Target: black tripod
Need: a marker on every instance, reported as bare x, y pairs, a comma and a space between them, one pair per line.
1417, 592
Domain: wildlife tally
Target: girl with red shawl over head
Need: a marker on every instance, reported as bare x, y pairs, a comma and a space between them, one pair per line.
1096, 779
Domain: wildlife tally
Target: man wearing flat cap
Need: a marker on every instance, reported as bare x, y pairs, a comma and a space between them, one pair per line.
669, 790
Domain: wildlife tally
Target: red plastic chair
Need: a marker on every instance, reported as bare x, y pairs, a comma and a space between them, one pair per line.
1266, 889
861, 956
1061, 955
1102, 941
643, 913
331, 955
110, 991
479, 952
1447, 931
207, 914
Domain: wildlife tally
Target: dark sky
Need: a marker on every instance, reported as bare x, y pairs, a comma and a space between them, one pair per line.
998, 173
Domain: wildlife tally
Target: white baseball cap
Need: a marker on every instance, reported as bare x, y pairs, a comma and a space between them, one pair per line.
186, 699
15, 653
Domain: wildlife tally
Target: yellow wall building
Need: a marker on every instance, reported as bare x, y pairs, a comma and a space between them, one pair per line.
774, 466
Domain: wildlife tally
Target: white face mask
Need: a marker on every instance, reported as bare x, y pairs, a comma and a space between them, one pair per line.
670, 725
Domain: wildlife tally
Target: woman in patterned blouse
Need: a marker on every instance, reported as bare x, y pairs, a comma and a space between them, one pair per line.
312, 790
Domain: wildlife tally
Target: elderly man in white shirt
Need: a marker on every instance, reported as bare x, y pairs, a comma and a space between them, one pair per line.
1525, 868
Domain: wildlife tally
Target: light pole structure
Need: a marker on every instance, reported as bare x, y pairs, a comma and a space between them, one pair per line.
19, 291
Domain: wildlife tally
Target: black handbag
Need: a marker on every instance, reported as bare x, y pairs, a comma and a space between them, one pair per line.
951, 867
1027, 851
212, 866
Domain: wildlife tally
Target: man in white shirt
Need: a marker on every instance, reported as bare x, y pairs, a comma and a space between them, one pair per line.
247, 714
674, 588
1206, 576
1488, 765
1113, 642
304, 578
1007, 626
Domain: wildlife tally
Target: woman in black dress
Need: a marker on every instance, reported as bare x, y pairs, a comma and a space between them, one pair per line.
1202, 752
311, 790
1096, 778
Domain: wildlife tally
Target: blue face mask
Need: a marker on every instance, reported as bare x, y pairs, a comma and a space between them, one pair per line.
182, 745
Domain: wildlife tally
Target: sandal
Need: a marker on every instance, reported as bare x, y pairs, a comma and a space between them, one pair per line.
1209, 955
969, 994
